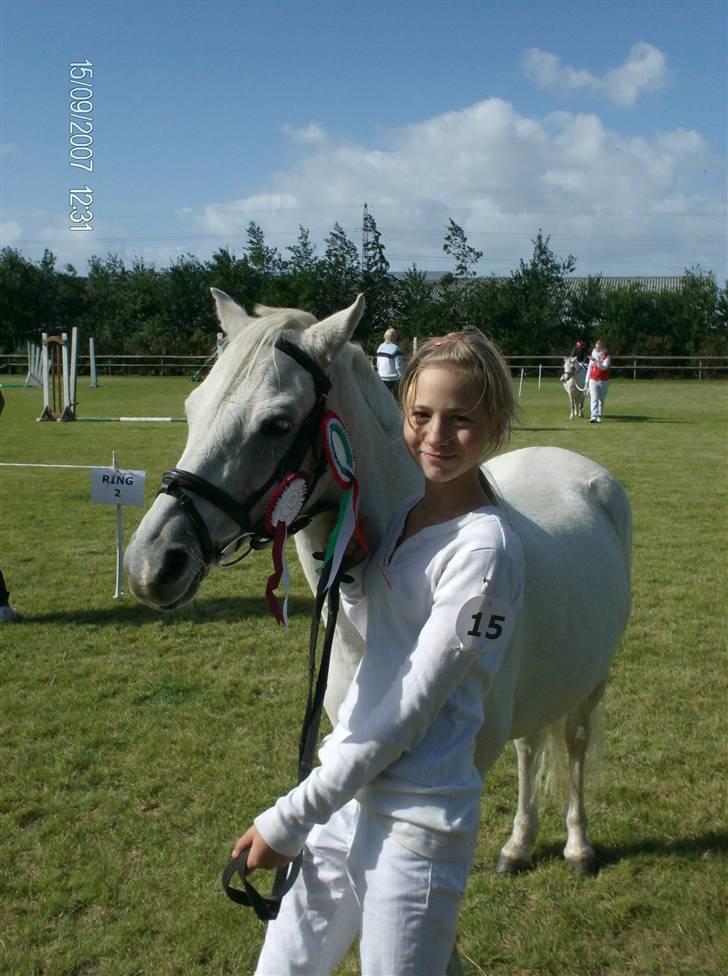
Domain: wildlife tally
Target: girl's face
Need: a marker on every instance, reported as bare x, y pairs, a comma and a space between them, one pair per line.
446, 426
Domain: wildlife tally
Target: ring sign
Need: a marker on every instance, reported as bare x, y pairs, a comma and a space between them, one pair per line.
110, 486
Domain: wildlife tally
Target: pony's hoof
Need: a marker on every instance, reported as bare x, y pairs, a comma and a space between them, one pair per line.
512, 866
584, 867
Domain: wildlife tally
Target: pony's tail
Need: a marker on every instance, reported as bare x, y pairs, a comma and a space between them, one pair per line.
552, 757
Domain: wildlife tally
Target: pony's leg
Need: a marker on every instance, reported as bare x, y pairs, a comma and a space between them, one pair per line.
515, 855
579, 853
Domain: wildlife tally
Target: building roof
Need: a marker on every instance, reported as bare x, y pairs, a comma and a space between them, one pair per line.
647, 283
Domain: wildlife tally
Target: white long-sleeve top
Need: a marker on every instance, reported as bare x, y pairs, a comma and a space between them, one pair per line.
436, 630
390, 363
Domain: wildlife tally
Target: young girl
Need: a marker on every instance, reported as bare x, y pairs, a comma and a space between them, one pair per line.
388, 821
599, 363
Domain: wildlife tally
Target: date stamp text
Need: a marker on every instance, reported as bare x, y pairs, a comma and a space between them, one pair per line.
80, 150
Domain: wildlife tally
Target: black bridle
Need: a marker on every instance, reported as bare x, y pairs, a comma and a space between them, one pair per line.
181, 485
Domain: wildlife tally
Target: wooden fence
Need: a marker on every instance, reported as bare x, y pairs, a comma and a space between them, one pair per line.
634, 367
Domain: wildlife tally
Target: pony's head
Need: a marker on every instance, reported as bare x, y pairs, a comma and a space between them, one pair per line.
571, 365
253, 420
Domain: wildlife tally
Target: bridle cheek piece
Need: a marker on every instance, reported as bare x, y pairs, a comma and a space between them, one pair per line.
182, 485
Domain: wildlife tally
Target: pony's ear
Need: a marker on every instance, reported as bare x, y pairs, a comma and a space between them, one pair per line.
232, 317
327, 338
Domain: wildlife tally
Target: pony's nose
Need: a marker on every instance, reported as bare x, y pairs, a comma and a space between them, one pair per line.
173, 567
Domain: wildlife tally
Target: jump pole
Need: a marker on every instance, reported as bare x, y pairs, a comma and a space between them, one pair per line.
59, 376
520, 383
132, 420
33, 377
45, 369
92, 363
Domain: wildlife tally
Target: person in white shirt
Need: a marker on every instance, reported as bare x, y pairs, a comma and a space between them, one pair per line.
388, 821
599, 363
389, 361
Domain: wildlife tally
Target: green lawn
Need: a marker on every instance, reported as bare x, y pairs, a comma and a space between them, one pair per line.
134, 747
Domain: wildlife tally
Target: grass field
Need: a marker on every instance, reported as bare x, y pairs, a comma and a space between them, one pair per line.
135, 747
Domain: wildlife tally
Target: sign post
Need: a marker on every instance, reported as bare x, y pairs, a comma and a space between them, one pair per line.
116, 486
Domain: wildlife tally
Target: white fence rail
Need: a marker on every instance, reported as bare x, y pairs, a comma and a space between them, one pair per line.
696, 367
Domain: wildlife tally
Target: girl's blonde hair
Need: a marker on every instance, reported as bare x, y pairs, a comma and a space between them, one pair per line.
470, 352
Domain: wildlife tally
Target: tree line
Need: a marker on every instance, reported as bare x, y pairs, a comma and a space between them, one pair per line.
536, 310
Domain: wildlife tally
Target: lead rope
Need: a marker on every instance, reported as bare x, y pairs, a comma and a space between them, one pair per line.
267, 908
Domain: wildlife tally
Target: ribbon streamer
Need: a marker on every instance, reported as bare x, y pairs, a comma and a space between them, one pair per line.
340, 456
282, 510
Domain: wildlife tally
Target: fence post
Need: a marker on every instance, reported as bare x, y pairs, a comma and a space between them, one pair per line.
700, 369
634, 369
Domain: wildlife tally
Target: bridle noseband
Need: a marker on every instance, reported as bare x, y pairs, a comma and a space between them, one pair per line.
179, 483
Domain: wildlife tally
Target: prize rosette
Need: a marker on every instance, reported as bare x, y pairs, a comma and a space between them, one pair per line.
283, 509
340, 457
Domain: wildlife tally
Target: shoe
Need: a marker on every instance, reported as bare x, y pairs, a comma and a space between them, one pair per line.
599, 420
593, 420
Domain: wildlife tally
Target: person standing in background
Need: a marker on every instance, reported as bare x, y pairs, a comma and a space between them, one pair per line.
579, 351
389, 361
7, 613
599, 363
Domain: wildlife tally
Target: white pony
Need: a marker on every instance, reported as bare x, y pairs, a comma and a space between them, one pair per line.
571, 514
573, 374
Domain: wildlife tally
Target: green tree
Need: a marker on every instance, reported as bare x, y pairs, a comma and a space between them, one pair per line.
539, 301
303, 260
341, 273
417, 311
376, 283
234, 276
22, 313
263, 259
457, 247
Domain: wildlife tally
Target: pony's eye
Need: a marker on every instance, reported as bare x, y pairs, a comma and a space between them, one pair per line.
276, 426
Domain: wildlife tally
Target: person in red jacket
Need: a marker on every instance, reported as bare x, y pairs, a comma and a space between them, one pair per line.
599, 363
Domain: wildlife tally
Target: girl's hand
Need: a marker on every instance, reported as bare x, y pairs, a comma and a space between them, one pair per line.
261, 855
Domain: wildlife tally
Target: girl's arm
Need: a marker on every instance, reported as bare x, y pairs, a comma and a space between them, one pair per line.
466, 625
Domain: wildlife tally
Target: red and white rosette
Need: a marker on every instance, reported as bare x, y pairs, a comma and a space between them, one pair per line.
283, 509
340, 457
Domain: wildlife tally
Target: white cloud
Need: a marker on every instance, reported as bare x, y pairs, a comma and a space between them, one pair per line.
311, 134
644, 70
10, 232
630, 204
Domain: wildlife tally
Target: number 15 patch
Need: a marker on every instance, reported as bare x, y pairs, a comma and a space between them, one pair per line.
484, 623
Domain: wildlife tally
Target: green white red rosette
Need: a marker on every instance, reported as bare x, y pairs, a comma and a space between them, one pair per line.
283, 509
340, 456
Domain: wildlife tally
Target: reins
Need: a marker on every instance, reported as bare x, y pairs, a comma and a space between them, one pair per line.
267, 907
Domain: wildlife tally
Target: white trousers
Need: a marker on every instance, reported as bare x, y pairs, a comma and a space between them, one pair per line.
597, 395
356, 880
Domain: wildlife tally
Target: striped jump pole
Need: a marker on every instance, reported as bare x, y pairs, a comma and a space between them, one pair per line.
132, 420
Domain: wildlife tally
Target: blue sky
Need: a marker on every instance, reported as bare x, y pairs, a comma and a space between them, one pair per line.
604, 123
